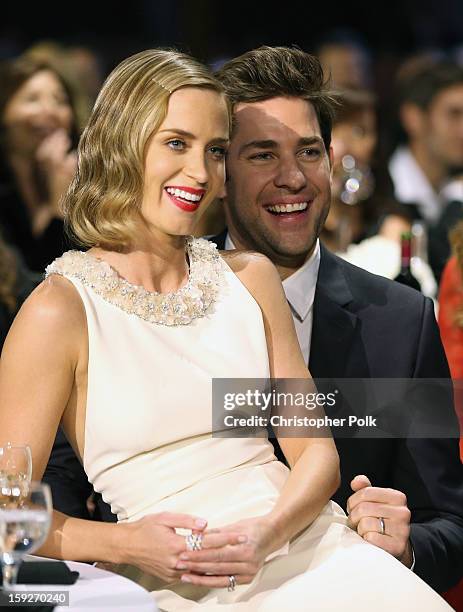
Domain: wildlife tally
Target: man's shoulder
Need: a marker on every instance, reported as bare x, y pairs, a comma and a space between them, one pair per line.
370, 290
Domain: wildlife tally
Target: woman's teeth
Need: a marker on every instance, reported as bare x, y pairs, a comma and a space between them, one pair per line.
287, 208
185, 195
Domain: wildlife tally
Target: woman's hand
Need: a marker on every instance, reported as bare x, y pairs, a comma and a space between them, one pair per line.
152, 544
243, 559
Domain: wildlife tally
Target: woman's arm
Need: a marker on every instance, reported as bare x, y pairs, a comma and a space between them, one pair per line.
314, 462
37, 368
40, 357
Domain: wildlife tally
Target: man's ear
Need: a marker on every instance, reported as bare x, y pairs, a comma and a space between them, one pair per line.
412, 118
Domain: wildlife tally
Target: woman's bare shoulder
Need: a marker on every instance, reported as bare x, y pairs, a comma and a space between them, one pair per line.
54, 305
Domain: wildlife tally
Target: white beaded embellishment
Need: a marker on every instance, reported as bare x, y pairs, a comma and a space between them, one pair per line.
178, 308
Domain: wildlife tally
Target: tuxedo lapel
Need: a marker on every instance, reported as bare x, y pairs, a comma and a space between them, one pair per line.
334, 326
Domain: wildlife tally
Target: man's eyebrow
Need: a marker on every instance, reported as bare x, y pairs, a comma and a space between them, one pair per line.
304, 142
259, 144
272, 144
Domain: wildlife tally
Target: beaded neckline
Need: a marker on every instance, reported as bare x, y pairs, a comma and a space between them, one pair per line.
180, 307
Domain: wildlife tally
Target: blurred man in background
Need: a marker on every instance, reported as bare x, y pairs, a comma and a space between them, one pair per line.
427, 169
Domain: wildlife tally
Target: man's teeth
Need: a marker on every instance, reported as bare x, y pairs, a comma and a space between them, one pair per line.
286, 208
185, 195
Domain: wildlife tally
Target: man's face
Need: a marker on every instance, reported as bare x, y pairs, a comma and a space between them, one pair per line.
278, 179
443, 128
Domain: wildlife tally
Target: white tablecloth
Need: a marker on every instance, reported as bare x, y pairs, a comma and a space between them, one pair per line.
97, 590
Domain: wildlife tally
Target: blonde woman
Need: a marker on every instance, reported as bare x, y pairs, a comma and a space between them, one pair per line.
120, 344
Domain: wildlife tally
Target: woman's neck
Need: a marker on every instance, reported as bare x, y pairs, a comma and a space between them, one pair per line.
157, 264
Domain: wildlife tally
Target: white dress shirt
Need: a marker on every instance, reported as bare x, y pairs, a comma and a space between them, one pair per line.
300, 292
411, 185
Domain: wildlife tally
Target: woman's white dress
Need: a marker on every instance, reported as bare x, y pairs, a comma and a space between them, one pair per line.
149, 448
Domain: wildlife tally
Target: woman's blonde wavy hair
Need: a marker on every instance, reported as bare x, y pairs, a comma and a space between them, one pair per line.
102, 203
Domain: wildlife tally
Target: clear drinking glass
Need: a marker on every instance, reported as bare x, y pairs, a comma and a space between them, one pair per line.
15, 473
23, 529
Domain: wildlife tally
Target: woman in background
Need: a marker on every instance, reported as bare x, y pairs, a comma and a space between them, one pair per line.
38, 137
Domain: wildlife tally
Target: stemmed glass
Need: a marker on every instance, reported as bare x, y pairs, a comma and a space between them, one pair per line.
15, 473
23, 528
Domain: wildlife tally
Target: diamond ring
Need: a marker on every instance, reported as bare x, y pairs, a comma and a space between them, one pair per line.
194, 541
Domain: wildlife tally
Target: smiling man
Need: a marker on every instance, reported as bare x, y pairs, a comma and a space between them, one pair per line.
280, 201
350, 324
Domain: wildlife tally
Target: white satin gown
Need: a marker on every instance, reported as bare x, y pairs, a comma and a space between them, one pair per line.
148, 444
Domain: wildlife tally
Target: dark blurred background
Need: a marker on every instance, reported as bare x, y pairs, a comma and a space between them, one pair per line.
370, 50
211, 29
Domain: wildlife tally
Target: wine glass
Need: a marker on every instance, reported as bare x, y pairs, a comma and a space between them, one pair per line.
15, 473
23, 529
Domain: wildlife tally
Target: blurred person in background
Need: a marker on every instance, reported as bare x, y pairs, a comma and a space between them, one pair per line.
86, 64
358, 209
451, 314
81, 68
365, 223
426, 169
345, 59
38, 135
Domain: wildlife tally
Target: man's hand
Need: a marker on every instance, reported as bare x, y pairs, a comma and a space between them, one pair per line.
368, 505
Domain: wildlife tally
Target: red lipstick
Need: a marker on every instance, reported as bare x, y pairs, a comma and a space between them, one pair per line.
185, 198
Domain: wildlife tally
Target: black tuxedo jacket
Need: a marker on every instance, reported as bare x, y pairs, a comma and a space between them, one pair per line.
363, 326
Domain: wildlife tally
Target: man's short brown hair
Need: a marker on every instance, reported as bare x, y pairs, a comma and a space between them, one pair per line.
270, 72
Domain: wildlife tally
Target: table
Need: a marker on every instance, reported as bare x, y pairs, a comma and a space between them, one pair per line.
98, 590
